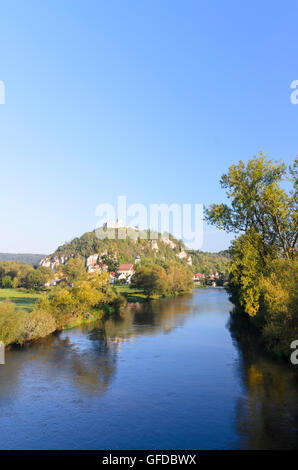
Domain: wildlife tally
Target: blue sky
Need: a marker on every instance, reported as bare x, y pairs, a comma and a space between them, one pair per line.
153, 100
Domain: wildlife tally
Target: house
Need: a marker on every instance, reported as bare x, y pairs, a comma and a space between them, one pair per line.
127, 269
198, 277
125, 272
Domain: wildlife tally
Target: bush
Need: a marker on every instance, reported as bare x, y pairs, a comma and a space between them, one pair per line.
6, 282
38, 324
11, 323
18, 326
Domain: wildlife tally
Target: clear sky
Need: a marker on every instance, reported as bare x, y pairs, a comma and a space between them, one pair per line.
149, 99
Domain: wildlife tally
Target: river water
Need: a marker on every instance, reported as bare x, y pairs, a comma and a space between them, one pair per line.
164, 376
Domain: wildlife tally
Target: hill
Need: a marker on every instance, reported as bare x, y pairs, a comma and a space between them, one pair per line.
28, 258
113, 252
205, 262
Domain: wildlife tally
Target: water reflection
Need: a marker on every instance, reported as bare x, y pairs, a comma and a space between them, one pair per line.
197, 385
267, 412
88, 356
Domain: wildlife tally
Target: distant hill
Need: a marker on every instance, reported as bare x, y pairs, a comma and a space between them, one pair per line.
95, 250
205, 262
29, 258
114, 252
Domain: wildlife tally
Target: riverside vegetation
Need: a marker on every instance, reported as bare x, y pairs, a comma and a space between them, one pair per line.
80, 296
64, 306
263, 272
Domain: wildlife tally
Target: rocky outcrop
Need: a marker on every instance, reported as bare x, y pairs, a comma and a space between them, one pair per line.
92, 259
53, 261
167, 241
184, 255
154, 245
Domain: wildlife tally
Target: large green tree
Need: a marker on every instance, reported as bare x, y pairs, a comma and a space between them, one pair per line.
152, 279
38, 277
260, 202
73, 270
263, 269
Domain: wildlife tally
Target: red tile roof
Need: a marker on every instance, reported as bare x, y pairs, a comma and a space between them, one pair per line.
125, 267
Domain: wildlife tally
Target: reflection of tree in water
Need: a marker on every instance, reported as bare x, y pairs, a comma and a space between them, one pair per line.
64, 358
88, 356
149, 318
268, 417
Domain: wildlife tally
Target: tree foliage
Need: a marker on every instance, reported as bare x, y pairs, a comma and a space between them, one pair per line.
259, 202
150, 278
154, 279
15, 274
280, 296
68, 303
18, 326
263, 272
73, 270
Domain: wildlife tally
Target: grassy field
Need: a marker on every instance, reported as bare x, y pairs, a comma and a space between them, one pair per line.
22, 299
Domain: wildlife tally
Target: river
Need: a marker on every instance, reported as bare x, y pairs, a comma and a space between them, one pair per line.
164, 376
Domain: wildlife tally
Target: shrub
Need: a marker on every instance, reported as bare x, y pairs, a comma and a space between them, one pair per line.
11, 323
38, 324
6, 282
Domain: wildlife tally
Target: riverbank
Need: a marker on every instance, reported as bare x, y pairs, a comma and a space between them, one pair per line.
27, 317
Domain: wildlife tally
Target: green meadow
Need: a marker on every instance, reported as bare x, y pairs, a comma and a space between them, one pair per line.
22, 299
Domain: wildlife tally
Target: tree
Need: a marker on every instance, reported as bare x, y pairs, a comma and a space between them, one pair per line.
46, 274
249, 261
259, 202
280, 297
179, 279
6, 282
150, 278
73, 270
263, 270
66, 304
111, 261
38, 277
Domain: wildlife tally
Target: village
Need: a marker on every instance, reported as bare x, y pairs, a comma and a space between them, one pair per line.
123, 274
